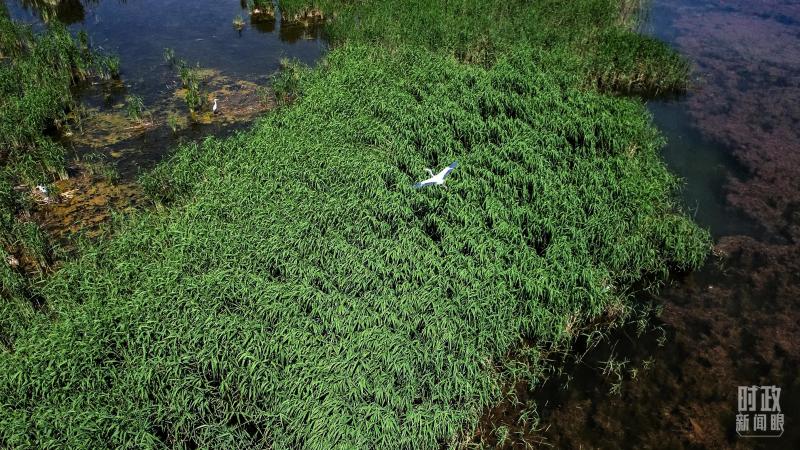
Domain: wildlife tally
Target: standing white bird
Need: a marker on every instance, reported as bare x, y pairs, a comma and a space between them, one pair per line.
214, 108
437, 179
41, 194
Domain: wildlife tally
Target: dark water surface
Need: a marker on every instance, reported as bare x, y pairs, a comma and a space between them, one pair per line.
735, 139
200, 31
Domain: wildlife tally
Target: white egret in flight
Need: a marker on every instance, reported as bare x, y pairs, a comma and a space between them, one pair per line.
437, 179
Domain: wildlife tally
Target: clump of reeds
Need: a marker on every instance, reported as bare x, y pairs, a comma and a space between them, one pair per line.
238, 23
286, 82
593, 38
95, 165
134, 107
195, 98
634, 64
172, 122
265, 94
260, 9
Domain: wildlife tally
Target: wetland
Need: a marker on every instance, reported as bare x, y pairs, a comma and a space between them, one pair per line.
263, 275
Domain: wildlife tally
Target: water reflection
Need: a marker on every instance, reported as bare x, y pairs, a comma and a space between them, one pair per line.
199, 31
65, 11
264, 24
292, 31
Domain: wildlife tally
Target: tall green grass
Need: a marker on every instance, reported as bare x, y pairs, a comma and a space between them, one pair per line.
298, 293
596, 33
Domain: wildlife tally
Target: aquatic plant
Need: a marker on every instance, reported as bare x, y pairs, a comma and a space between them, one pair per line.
35, 91
264, 94
529, 416
190, 79
632, 13
238, 23
194, 101
95, 165
185, 73
108, 66
134, 106
631, 63
36, 74
593, 36
285, 83
172, 122
83, 44
502, 434
324, 301
259, 9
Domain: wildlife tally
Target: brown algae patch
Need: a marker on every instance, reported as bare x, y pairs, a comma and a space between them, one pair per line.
83, 203
750, 101
101, 128
238, 101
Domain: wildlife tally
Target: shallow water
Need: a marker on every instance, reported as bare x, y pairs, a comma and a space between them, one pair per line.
735, 140
200, 32
100, 138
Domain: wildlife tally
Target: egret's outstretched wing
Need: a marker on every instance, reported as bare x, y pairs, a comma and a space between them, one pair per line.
449, 169
422, 184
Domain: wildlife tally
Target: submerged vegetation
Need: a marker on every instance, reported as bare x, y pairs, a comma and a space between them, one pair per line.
169, 56
298, 293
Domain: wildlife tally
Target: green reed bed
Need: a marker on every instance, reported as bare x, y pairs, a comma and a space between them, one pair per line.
296, 292
596, 33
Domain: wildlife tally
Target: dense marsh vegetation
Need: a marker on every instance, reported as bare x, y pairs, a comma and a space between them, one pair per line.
36, 73
296, 292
